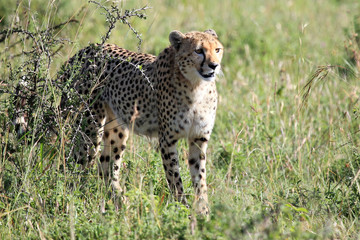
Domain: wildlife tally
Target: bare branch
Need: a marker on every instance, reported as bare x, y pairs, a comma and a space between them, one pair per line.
113, 15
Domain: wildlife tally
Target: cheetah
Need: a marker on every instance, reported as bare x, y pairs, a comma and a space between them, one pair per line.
169, 97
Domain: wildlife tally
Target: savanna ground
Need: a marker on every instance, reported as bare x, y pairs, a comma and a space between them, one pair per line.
284, 157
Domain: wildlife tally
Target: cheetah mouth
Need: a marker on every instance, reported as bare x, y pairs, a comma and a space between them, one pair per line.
208, 75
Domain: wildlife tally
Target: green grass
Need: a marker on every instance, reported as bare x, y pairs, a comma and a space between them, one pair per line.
276, 170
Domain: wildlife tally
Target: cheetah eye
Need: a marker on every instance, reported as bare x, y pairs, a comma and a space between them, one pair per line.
217, 50
199, 51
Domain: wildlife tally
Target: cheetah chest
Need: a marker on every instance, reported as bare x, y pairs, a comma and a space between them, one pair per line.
196, 117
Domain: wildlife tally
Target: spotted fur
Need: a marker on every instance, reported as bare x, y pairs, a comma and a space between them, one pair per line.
171, 96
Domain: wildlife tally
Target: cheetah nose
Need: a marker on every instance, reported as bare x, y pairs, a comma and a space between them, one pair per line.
213, 65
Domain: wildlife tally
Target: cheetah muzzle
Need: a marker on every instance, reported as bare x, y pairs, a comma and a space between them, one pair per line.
171, 96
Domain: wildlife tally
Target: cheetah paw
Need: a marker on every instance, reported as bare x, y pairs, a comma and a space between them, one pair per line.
202, 207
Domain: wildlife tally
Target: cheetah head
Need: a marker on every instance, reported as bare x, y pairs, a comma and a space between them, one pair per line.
197, 54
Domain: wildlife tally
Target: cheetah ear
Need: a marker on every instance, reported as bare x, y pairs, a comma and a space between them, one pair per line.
211, 32
175, 39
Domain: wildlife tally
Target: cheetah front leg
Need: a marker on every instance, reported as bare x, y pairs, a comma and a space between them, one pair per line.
197, 162
171, 166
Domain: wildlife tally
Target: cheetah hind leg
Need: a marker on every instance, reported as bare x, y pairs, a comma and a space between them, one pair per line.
115, 137
89, 143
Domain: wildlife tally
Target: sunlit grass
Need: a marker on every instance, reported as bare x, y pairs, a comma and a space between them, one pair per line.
279, 167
